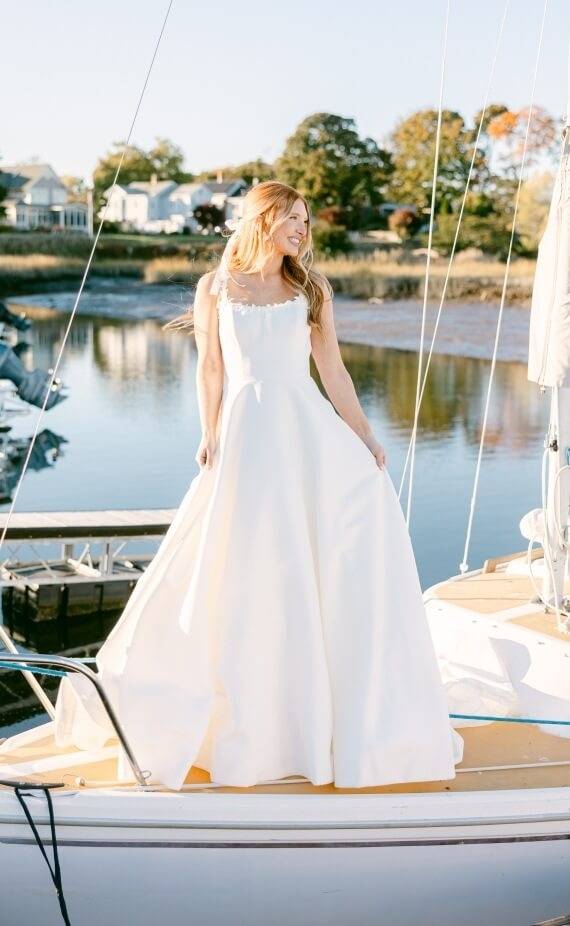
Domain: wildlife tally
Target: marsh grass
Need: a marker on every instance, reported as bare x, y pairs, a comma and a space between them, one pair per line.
377, 277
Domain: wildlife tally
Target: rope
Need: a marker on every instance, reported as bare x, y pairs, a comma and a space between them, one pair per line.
456, 236
464, 564
428, 262
55, 871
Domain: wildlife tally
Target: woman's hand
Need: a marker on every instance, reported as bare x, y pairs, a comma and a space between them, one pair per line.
206, 451
376, 450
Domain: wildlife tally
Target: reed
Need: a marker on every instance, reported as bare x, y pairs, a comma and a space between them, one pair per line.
382, 277
379, 276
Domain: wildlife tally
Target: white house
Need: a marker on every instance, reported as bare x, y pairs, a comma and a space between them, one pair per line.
187, 197
165, 206
37, 198
140, 204
222, 190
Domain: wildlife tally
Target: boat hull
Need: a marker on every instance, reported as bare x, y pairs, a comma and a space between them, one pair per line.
234, 858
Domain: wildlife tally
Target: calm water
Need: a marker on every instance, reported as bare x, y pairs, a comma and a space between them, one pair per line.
131, 430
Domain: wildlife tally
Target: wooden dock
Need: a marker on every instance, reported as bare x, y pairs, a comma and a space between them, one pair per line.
87, 525
90, 578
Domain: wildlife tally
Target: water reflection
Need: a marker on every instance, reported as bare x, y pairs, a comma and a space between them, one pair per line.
132, 424
454, 396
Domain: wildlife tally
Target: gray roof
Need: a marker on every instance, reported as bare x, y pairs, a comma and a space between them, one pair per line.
225, 186
30, 172
147, 186
190, 187
10, 181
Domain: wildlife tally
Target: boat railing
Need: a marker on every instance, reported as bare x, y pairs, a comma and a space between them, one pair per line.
42, 664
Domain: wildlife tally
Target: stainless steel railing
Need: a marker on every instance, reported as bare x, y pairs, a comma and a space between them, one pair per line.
25, 662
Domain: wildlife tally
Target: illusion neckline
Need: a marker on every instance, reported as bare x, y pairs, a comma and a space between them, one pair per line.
254, 306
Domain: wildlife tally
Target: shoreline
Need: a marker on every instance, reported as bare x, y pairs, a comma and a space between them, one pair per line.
467, 328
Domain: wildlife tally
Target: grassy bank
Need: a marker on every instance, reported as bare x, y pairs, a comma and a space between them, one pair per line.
376, 276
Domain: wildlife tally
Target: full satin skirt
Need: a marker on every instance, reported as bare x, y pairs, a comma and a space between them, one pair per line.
279, 629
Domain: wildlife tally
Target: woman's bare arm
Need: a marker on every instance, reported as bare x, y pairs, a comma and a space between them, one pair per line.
209, 368
338, 383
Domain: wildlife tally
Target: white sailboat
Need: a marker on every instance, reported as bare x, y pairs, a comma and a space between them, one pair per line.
492, 845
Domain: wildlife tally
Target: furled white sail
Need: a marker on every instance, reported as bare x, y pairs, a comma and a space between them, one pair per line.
549, 366
549, 343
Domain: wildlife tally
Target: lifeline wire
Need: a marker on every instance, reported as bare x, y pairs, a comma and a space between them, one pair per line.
464, 565
426, 280
566, 723
456, 237
84, 278
38, 690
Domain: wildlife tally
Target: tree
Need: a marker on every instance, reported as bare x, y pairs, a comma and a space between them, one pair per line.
404, 222
209, 217
413, 151
534, 203
508, 130
327, 161
3, 194
251, 171
75, 187
167, 159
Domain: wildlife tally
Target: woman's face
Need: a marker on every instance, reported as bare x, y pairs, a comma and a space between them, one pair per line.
290, 235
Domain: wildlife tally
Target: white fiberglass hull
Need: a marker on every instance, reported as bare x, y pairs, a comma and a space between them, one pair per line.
231, 858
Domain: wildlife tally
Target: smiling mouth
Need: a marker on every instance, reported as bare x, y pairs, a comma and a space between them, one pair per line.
295, 241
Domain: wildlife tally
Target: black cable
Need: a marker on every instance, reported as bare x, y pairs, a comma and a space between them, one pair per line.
55, 872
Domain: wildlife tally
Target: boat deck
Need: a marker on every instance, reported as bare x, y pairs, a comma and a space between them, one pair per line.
496, 756
507, 595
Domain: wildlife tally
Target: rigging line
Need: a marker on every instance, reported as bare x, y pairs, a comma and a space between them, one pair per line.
4, 636
456, 237
428, 262
463, 565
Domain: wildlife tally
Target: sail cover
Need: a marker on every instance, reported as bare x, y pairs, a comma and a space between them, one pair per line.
549, 341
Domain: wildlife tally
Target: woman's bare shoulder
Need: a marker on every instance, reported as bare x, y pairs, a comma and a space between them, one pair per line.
204, 283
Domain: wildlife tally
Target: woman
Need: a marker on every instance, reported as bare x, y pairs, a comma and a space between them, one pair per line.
279, 629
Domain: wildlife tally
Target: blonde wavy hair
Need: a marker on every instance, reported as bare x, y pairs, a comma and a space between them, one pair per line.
265, 207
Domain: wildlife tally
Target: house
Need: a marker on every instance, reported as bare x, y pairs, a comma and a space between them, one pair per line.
37, 199
222, 190
166, 206
140, 204
186, 198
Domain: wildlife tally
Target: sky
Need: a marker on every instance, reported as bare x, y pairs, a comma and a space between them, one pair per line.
232, 80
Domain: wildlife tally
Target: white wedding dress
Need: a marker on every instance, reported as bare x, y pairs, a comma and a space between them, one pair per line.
279, 629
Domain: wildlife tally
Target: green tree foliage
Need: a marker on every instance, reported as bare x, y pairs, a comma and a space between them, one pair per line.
413, 152
209, 217
3, 192
329, 163
532, 213
251, 171
330, 240
490, 233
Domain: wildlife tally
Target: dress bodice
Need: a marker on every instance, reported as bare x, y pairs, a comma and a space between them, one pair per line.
261, 342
